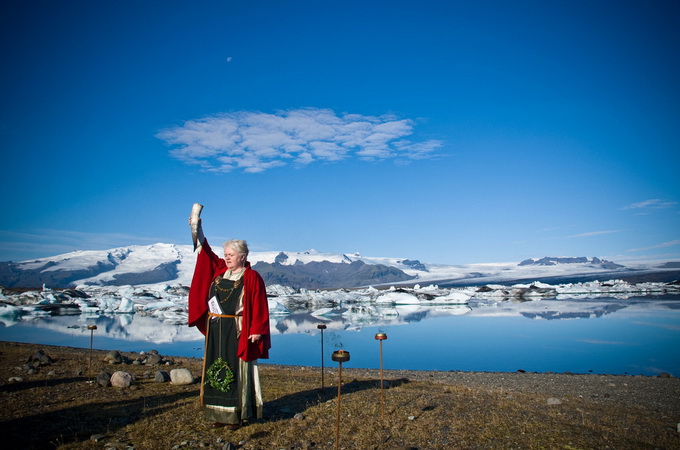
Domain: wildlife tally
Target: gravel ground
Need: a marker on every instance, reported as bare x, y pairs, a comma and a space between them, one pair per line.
59, 406
656, 393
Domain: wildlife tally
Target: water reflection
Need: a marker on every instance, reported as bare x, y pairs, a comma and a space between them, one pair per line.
638, 335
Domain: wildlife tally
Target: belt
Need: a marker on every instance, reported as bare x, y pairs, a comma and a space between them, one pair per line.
221, 315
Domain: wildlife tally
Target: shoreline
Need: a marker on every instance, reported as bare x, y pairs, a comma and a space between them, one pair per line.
61, 405
651, 391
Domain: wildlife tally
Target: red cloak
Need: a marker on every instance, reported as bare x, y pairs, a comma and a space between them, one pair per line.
255, 319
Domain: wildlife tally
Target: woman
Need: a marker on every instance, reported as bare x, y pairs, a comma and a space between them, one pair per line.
228, 304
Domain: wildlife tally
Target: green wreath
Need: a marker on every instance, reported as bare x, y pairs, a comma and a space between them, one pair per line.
213, 375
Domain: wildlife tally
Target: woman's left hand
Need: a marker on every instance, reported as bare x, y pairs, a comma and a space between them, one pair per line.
254, 337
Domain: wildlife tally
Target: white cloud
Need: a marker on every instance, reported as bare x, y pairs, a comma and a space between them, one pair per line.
593, 233
255, 142
662, 245
654, 203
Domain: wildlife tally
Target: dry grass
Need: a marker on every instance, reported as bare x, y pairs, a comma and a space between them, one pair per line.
68, 411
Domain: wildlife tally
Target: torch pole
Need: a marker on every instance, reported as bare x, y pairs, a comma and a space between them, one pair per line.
381, 337
339, 356
337, 420
89, 365
321, 327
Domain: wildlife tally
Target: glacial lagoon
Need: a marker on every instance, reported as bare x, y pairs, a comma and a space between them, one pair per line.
635, 335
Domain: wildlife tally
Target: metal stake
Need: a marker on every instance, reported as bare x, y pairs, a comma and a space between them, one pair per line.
91, 328
381, 337
339, 356
321, 327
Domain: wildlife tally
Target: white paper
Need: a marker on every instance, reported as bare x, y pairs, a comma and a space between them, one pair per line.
214, 306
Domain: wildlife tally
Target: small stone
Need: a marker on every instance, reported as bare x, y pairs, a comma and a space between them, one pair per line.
31, 371
153, 359
122, 379
104, 379
113, 357
554, 401
411, 417
299, 416
97, 437
15, 379
181, 376
36, 356
52, 373
665, 375
162, 376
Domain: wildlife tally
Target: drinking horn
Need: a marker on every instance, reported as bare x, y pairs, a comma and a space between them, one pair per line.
193, 221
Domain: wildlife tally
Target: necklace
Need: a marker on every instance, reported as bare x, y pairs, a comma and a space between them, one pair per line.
236, 285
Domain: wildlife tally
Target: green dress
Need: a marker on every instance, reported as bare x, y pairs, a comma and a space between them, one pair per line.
231, 391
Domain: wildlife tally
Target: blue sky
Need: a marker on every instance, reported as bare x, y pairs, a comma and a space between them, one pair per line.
446, 131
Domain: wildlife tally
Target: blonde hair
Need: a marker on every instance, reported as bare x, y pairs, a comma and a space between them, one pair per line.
237, 244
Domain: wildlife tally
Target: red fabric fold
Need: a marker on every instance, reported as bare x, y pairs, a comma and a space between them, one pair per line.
255, 305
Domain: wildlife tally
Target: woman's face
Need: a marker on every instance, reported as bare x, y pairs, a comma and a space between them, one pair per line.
234, 259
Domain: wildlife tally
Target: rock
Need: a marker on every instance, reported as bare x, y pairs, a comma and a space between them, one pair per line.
113, 357
36, 356
15, 379
665, 375
162, 376
153, 359
554, 401
299, 416
104, 379
97, 437
121, 379
181, 376
40, 358
46, 360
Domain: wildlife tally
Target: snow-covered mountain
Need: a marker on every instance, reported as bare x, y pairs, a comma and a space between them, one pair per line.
173, 265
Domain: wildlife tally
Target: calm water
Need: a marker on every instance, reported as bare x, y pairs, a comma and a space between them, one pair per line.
638, 335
